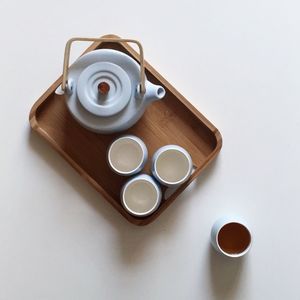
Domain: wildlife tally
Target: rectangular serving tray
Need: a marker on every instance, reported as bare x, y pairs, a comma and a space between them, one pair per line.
171, 121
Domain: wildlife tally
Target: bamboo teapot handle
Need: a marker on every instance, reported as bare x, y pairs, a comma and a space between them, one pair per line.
114, 40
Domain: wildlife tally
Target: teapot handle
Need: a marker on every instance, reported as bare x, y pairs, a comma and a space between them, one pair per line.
116, 40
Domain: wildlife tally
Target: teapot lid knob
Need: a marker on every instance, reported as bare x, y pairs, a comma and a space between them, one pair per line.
103, 88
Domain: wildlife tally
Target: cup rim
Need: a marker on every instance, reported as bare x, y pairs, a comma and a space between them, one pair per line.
148, 179
235, 254
142, 146
177, 148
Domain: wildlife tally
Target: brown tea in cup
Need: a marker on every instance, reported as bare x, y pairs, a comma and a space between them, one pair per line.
234, 238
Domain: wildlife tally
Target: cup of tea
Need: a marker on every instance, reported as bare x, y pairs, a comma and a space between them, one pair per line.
127, 155
172, 165
141, 196
231, 236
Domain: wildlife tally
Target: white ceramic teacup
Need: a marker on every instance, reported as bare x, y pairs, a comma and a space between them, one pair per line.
231, 236
141, 196
127, 155
172, 165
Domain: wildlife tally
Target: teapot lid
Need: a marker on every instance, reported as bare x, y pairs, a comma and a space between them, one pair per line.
104, 89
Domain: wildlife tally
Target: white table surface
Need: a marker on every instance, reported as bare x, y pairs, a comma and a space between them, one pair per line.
238, 63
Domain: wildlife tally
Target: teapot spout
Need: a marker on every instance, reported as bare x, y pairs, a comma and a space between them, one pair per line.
154, 92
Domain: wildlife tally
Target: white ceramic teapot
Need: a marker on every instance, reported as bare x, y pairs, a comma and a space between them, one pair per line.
106, 90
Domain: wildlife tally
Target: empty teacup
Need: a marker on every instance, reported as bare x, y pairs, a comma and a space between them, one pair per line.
231, 237
127, 155
141, 196
172, 165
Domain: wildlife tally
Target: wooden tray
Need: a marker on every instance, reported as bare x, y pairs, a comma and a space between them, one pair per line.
170, 121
